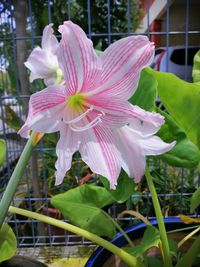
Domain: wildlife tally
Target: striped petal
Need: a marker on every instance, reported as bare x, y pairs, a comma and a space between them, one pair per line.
67, 145
133, 159
99, 152
45, 110
79, 63
120, 112
134, 146
121, 65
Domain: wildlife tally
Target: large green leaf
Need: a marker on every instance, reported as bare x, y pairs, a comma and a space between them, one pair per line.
2, 151
8, 243
182, 100
195, 200
196, 68
146, 92
124, 189
185, 153
150, 239
82, 206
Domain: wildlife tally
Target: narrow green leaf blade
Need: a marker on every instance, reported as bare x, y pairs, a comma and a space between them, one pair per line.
195, 200
2, 151
8, 243
12, 119
196, 68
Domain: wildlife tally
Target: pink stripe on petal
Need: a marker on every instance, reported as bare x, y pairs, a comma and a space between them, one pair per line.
47, 98
144, 121
67, 145
79, 62
122, 63
133, 158
99, 152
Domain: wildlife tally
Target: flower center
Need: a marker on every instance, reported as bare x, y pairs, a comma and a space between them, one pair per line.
76, 102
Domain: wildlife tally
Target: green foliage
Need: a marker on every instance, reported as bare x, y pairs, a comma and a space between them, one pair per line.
182, 101
2, 151
173, 247
82, 206
8, 242
146, 93
11, 118
185, 153
153, 262
79, 15
150, 239
124, 189
196, 68
195, 200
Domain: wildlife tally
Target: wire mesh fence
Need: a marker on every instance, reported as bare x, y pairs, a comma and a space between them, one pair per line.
176, 38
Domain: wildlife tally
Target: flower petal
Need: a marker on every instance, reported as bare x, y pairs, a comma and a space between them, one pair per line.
99, 152
117, 111
133, 158
49, 41
67, 145
155, 146
134, 146
45, 110
79, 63
121, 65
41, 64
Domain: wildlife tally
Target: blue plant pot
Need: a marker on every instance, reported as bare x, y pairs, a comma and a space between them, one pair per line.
100, 255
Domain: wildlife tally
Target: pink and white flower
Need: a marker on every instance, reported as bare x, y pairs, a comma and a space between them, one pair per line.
134, 145
43, 62
91, 110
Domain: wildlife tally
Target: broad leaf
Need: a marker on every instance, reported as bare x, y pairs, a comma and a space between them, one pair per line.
150, 239
196, 68
182, 100
82, 206
124, 189
11, 118
185, 153
8, 243
195, 200
2, 151
173, 247
146, 93
153, 262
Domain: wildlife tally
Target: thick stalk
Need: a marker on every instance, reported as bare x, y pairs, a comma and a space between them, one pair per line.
127, 258
159, 217
15, 178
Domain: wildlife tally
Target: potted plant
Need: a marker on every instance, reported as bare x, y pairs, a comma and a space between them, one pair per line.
89, 100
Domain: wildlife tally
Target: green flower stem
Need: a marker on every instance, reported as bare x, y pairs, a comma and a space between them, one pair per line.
189, 257
159, 217
15, 178
120, 229
127, 258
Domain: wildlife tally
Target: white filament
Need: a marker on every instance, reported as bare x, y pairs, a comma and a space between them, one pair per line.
77, 119
90, 125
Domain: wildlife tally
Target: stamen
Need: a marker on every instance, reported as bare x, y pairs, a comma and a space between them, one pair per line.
90, 125
77, 119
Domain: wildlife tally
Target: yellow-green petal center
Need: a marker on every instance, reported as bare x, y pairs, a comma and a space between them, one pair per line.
76, 102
